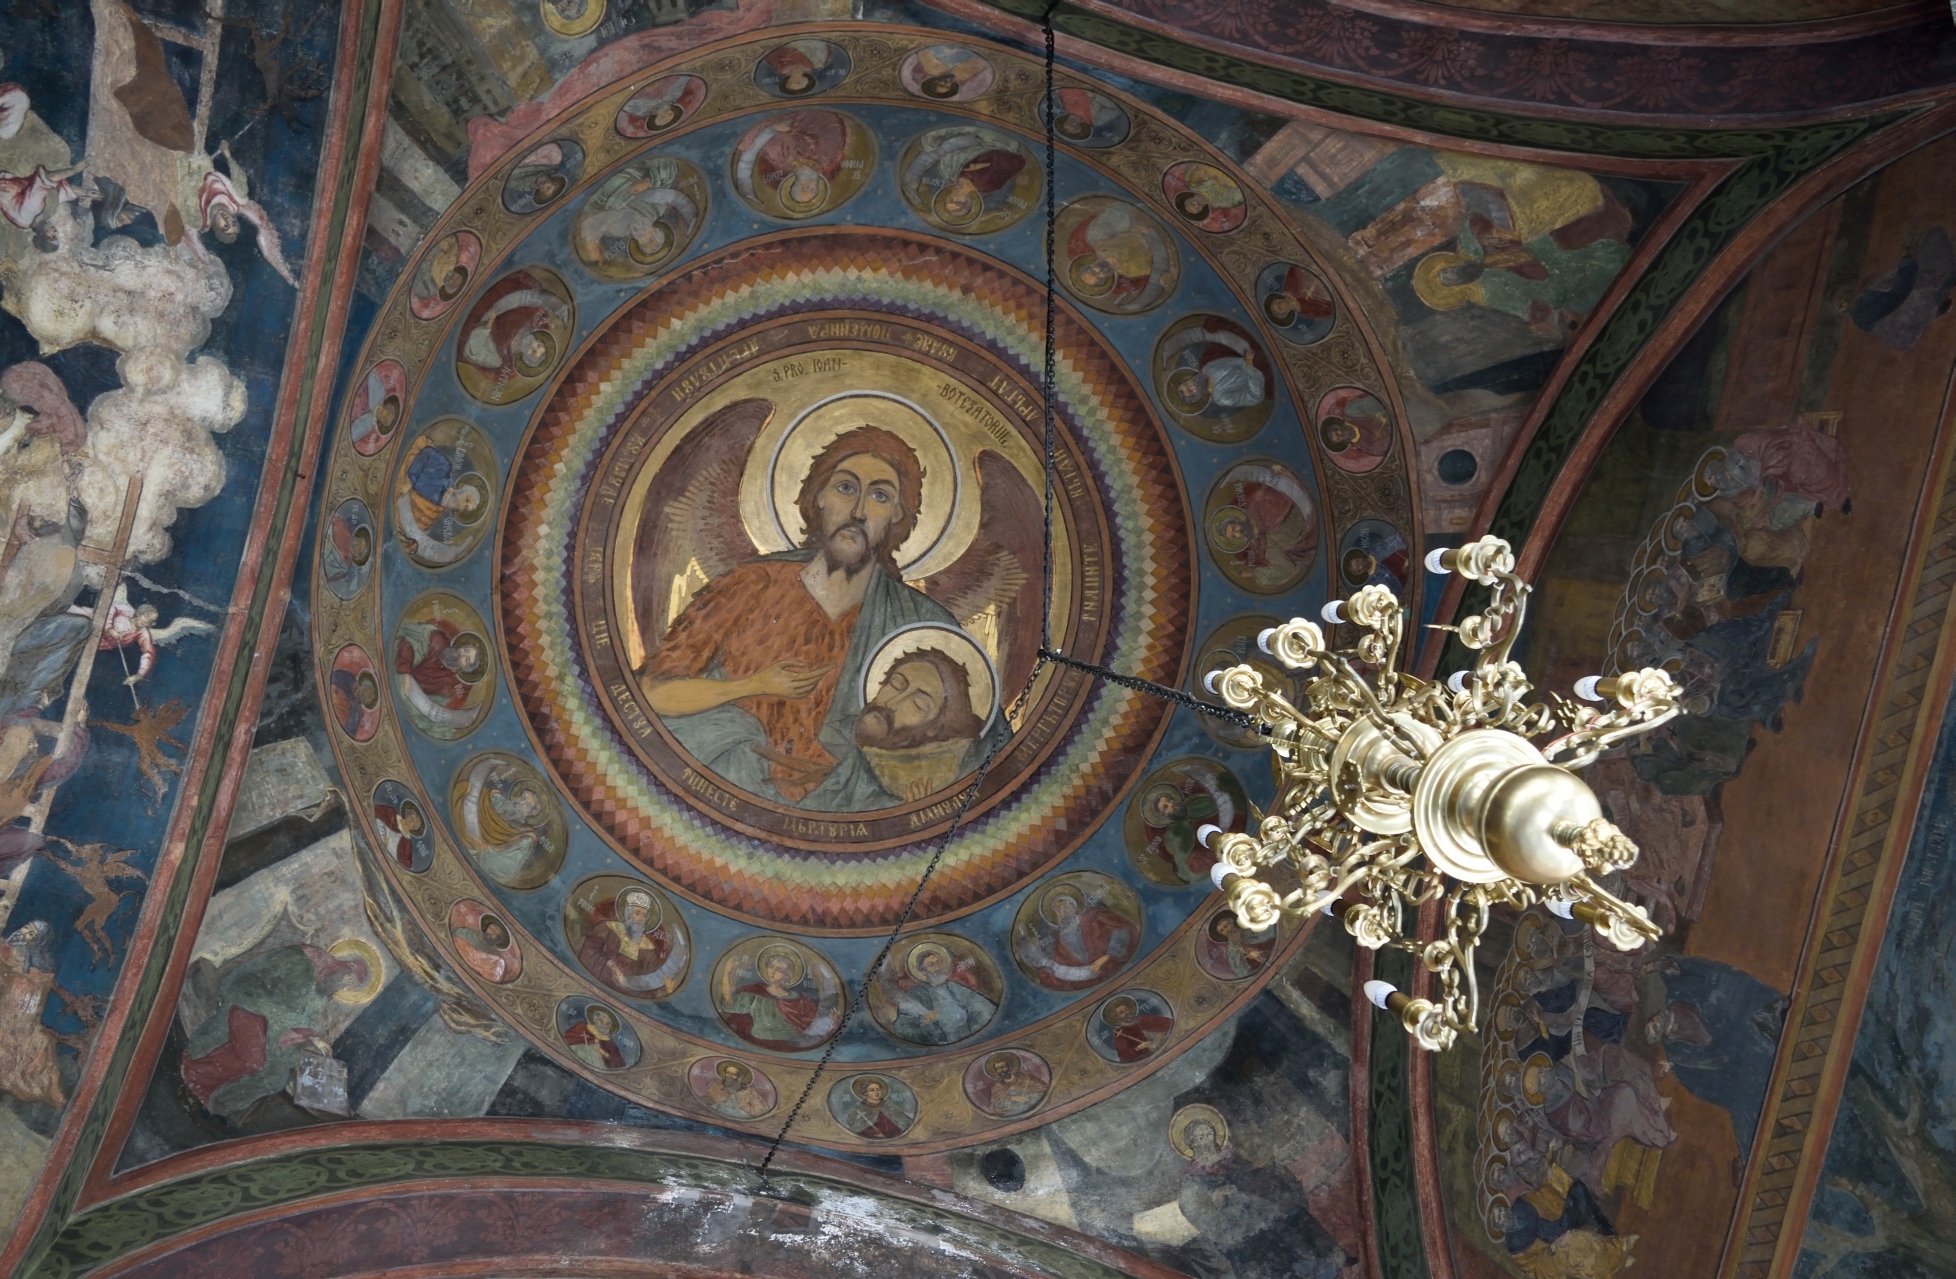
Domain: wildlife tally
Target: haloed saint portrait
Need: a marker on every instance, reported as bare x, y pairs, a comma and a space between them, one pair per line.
827, 579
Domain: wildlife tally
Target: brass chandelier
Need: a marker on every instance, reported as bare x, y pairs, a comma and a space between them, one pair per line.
1394, 791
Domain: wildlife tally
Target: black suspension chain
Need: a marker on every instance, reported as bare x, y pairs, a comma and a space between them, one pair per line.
965, 801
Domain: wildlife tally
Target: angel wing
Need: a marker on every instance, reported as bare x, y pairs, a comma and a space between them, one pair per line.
994, 588
178, 629
690, 531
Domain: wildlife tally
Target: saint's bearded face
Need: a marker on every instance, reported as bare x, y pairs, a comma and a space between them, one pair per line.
858, 506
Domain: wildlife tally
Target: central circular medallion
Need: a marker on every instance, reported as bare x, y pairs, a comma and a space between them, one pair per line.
771, 579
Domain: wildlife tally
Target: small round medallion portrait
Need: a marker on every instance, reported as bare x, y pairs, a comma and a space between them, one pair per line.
1115, 257
1088, 119
1233, 643
1229, 952
1297, 302
543, 175
1076, 930
1373, 553
946, 73
968, 180
731, 1089
442, 662
485, 942
1214, 379
1261, 526
1354, 428
873, 1107
801, 164
1173, 803
778, 994
663, 104
402, 833
346, 552
376, 407
444, 274
1204, 197
516, 335
353, 690
640, 218
443, 494
596, 1034
629, 936
1008, 1083
508, 820
1130, 1027
935, 989
801, 68
571, 18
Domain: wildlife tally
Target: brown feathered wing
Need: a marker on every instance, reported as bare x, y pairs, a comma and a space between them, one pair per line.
994, 588
690, 532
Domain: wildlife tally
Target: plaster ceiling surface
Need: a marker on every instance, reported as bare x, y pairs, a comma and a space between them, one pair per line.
429, 412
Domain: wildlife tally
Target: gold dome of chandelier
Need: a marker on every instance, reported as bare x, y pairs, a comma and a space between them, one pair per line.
1394, 791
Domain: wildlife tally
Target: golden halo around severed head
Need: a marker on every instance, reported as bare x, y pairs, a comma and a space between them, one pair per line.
355, 948
981, 679
773, 479
1178, 1128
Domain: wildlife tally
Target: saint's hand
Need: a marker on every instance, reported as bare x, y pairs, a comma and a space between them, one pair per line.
787, 679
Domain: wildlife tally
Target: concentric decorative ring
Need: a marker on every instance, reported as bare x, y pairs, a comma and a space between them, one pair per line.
577, 665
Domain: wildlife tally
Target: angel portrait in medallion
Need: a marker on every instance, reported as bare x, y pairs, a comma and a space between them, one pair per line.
825, 610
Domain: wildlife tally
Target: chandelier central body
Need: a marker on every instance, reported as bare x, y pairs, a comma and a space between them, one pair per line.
1395, 791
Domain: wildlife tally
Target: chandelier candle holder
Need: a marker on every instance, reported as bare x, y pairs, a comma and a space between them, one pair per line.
1394, 791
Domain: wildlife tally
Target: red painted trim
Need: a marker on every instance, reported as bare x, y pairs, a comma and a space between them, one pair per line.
1434, 1235
789, 1161
1199, 39
1004, 25
1867, 956
1738, 257
287, 434
1654, 243
1731, 34
1359, 1084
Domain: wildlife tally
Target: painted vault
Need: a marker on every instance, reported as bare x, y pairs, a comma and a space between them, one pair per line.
533, 526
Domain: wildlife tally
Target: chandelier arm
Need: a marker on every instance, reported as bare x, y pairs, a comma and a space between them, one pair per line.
1623, 924
1375, 711
1590, 742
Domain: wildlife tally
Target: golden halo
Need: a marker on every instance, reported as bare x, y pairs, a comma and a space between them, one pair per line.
1002, 1066
949, 219
917, 952
585, 23
778, 948
1531, 1072
1178, 1128
653, 918
355, 948
773, 477
948, 640
1436, 292
802, 208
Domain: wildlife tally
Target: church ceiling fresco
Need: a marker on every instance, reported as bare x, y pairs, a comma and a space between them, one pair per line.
1706, 12
673, 535
153, 226
1614, 1093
